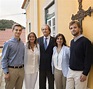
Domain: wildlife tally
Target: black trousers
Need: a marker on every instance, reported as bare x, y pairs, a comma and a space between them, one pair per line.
43, 75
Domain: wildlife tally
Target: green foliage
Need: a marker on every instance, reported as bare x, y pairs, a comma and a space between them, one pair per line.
6, 24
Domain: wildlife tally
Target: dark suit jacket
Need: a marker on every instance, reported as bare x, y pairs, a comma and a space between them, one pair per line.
46, 55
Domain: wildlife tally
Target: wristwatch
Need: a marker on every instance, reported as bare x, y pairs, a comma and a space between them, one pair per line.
7, 72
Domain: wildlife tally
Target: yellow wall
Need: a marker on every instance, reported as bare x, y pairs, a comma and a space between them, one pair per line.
27, 18
41, 15
30, 16
65, 10
88, 21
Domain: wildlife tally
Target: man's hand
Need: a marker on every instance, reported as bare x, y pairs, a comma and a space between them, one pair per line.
7, 76
83, 77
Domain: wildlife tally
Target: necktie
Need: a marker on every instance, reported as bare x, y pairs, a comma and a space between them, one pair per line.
45, 43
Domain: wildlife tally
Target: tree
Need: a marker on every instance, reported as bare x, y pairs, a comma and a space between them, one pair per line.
6, 24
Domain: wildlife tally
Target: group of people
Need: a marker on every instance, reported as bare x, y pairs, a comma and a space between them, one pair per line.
68, 66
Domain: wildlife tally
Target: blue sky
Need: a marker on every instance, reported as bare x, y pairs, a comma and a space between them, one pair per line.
11, 10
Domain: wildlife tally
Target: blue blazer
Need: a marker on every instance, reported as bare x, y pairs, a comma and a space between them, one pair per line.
65, 60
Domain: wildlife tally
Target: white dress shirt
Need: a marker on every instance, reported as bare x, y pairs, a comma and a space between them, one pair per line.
48, 39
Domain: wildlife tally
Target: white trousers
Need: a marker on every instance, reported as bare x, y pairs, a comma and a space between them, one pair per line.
73, 80
30, 80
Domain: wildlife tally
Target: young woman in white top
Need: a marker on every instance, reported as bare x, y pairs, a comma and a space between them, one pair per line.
31, 61
60, 61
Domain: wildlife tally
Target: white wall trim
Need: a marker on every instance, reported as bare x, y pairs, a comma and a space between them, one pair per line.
26, 4
56, 16
47, 3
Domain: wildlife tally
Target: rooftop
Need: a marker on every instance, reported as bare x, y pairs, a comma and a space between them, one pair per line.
7, 34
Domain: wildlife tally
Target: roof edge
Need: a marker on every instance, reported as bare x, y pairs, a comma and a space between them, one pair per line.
25, 4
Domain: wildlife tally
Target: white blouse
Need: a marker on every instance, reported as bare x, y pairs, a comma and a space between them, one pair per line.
63, 60
31, 61
57, 59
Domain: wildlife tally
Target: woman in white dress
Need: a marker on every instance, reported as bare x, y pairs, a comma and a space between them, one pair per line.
60, 61
31, 61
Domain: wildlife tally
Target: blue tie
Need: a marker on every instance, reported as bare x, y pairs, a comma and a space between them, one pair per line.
45, 43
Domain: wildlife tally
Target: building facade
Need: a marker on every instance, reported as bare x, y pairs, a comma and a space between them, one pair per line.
57, 13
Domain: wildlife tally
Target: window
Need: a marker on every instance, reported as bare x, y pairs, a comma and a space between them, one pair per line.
50, 17
51, 23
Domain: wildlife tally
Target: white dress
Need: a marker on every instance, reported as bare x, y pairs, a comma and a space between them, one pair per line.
31, 66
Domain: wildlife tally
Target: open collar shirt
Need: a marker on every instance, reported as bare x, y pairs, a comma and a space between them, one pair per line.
12, 54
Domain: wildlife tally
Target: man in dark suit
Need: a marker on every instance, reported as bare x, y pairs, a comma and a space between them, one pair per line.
46, 43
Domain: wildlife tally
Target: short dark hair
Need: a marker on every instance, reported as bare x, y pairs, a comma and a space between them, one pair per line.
63, 37
16, 25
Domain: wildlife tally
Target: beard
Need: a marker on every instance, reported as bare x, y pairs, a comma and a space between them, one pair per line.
75, 33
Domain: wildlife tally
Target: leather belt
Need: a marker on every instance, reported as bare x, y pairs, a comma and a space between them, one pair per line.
16, 66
